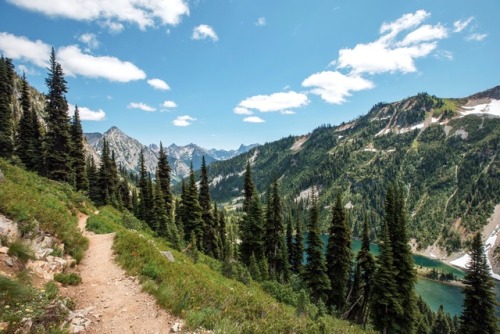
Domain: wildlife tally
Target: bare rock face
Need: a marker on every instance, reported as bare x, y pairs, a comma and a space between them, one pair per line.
46, 269
9, 229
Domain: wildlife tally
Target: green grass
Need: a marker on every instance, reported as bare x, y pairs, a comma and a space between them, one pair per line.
20, 250
32, 200
110, 220
68, 278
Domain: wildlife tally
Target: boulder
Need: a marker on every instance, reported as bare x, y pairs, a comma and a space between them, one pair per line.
9, 229
168, 255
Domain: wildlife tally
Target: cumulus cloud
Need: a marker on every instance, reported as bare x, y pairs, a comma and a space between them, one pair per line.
253, 119
261, 21
387, 53
21, 48
476, 37
204, 31
242, 111
75, 62
184, 120
169, 104
90, 40
87, 114
158, 84
462, 24
334, 87
143, 13
275, 102
141, 106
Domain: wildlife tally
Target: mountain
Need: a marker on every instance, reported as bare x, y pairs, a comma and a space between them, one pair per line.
225, 155
444, 151
127, 151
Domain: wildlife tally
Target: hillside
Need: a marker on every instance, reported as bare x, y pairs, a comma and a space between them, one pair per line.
444, 151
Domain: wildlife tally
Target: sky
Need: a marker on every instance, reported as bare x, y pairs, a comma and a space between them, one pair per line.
222, 73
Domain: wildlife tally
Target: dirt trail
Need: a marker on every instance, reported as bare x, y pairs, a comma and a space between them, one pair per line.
110, 299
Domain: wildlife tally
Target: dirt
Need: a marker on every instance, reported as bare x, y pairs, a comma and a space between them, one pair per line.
112, 300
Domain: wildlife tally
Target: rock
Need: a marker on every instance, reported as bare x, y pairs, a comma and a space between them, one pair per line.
4, 250
2, 177
168, 255
4, 326
176, 328
9, 262
9, 229
25, 326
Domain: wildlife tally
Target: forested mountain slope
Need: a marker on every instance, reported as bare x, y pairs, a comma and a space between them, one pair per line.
444, 151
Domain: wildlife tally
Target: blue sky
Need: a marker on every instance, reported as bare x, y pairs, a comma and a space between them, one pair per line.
221, 73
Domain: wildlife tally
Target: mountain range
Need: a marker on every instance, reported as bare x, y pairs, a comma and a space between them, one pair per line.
127, 151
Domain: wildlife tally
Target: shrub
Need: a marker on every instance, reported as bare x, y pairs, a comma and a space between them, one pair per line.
20, 250
68, 278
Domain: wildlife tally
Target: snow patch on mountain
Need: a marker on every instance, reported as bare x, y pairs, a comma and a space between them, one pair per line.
491, 108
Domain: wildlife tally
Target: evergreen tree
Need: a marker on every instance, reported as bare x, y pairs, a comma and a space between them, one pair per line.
385, 306
144, 199
289, 240
405, 276
338, 256
222, 233
365, 267
298, 249
441, 325
248, 187
254, 269
251, 232
93, 178
78, 154
315, 275
6, 113
193, 223
210, 241
25, 133
274, 232
163, 177
108, 177
38, 158
478, 315
58, 140
160, 216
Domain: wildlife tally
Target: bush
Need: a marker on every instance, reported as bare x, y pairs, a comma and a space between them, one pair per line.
20, 250
68, 278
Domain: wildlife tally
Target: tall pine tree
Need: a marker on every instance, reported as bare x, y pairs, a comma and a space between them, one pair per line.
315, 275
58, 140
6, 113
298, 249
338, 256
248, 187
478, 315
25, 132
193, 223
163, 177
274, 232
78, 154
210, 242
252, 232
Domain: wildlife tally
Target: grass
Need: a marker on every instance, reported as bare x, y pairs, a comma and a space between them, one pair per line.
20, 250
34, 201
68, 278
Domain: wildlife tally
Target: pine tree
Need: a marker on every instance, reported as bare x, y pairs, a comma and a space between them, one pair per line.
385, 306
160, 216
478, 315
248, 187
298, 249
192, 211
441, 325
78, 154
222, 233
38, 159
254, 269
289, 239
338, 256
163, 171
210, 241
6, 113
315, 275
252, 232
405, 276
58, 140
108, 177
93, 178
274, 231
144, 199
25, 133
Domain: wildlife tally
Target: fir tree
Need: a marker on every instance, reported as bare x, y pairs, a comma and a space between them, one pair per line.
338, 256
163, 177
289, 240
108, 177
6, 113
58, 140
25, 133
144, 199
251, 232
93, 178
248, 187
37, 143
193, 223
160, 216
441, 325
222, 233
210, 242
78, 154
298, 249
254, 269
315, 275
385, 307
478, 315
274, 231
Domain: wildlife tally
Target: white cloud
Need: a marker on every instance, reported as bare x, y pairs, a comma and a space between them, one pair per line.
27, 70
287, 112
169, 104
21, 48
275, 102
334, 87
90, 40
242, 111
253, 119
387, 54
75, 62
113, 27
476, 37
158, 84
141, 106
461, 25
425, 33
143, 13
444, 54
204, 31
87, 114
261, 21
184, 120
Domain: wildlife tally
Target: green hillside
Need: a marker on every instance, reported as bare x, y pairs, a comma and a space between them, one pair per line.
448, 164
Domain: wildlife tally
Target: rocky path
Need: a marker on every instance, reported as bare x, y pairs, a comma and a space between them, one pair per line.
109, 301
